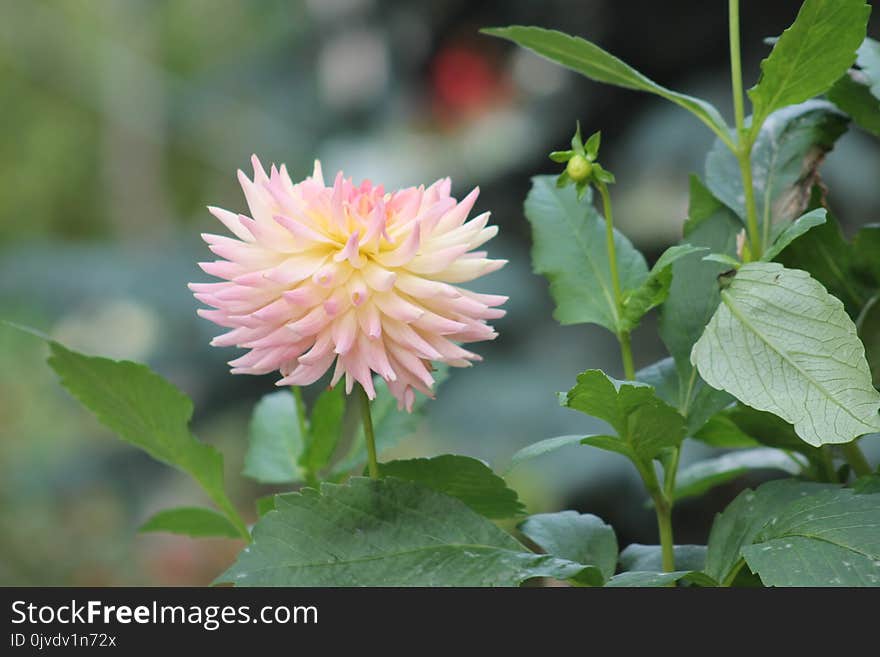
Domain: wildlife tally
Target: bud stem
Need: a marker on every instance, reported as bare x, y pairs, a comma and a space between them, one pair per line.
369, 437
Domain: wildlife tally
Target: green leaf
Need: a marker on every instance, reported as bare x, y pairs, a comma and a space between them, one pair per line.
867, 485
570, 250
866, 255
826, 255
868, 325
265, 504
702, 476
854, 97
768, 429
579, 537
697, 402
147, 411
590, 60
385, 532
645, 424
742, 520
793, 231
637, 557
655, 289
275, 440
810, 55
542, 447
780, 343
693, 296
828, 538
195, 522
721, 431
325, 430
461, 477
785, 162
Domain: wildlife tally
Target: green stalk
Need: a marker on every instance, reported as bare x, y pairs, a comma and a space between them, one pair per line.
743, 150
663, 510
369, 437
622, 336
856, 459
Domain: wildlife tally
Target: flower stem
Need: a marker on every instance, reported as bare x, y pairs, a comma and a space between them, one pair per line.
622, 335
369, 437
743, 150
856, 459
663, 509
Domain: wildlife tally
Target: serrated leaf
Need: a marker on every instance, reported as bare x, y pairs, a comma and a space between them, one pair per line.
699, 477
829, 538
739, 524
191, 521
637, 557
694, 296
793, 231
385, 532
542, 447
275, 440
810, 55
655, 289
570, 250
590, 60
325, 430
579, 537
696, 401
780, 343
785, 161
147, 411
645, 424
461, 477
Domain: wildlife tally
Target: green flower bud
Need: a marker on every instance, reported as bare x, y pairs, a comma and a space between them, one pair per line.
579, 168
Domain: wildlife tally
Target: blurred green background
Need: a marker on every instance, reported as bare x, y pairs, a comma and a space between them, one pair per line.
123, 119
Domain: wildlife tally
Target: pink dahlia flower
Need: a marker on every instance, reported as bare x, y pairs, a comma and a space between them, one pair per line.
352, 275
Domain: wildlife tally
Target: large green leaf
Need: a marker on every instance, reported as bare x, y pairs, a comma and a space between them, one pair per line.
742, 520
579, 537
785, 162
462, 477
829, 538
384, 532
702, 476
191, 521
810, 55
780, 343
645, 424
721, 431
593, 62
275, 440
637, 578
145, 410
570, 250
693, 298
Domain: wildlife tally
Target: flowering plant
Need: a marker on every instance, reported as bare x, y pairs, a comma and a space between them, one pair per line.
770, 316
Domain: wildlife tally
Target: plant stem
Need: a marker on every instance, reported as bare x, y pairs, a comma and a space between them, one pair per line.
369, 437
743, 151
663, 509
856, 459
827, 464
629, 371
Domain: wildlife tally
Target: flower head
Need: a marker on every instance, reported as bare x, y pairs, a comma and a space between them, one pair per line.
351, 275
